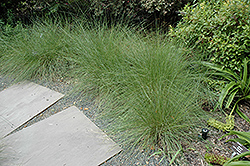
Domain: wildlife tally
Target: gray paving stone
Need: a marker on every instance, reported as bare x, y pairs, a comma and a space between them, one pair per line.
67, 138
21, 102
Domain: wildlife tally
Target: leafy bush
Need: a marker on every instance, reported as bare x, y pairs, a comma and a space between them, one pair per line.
221, 29
149, 11
163, 6
13, 11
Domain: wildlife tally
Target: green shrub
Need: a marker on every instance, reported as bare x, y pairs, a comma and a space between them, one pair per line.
220, 29
150, 11
13, 11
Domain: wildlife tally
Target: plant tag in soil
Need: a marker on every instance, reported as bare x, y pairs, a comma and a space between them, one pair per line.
238, 148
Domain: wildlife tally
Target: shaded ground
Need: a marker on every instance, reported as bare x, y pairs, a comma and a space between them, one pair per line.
193, 152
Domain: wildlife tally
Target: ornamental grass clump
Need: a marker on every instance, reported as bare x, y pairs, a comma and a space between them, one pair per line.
147, 90
159, 107
39, 51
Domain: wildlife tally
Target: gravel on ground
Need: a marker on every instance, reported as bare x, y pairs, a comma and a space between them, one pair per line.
193, 152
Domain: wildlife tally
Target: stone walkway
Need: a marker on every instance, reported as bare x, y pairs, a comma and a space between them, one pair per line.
66, 138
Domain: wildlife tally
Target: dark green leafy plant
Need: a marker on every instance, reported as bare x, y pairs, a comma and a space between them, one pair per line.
237, 86
13, 11
220, 29
150, 11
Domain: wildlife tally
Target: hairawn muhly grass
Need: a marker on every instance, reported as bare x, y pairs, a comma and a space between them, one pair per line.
147, 88
39, 51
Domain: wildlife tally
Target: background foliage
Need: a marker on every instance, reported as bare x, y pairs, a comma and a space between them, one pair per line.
151, 12
221, 29
26, 10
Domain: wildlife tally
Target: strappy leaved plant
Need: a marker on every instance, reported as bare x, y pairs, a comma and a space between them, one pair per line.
236, 87
244, 139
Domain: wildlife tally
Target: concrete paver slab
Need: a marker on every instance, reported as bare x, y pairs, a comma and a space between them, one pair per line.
67, 138
21, 102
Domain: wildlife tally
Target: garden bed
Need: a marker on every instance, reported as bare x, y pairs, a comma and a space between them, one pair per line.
194, 151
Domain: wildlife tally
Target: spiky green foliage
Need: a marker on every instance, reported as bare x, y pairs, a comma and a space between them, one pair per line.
233, 161
148, 91
237, 86
244, 139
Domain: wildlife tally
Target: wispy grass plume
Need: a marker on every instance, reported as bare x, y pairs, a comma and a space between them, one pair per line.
148, 90
36, 52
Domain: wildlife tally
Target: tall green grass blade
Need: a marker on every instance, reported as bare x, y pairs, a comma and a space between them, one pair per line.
247, 97
241, 141
242, 135
226, 76
231, 162
174, 157
224, 92
231, 97
221, 69
238, 163
242, 115
245, 72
